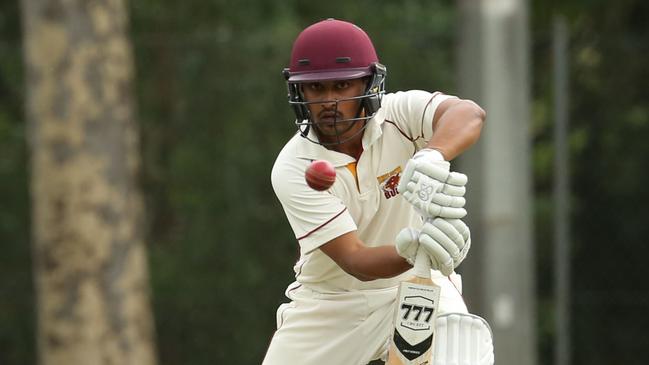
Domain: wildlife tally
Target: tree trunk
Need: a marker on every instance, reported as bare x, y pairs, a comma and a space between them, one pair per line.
89, 256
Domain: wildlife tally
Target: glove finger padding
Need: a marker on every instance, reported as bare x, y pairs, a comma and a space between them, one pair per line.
446, 241
454, 190
450, 213
452, 233
450, 201
431, 209
445, 235
440, 258
457, 179
464, 231
455, 185
461, 227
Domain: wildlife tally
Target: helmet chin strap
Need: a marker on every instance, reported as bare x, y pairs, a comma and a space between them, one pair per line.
338, 133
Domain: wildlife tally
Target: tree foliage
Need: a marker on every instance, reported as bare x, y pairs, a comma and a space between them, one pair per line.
609, 121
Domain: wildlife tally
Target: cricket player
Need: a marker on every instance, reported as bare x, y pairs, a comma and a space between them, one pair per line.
394, 194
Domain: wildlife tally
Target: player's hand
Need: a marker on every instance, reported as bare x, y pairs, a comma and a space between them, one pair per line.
431, 188
407, 244
446, 241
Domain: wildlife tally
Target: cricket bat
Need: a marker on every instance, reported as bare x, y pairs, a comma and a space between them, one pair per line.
414, 319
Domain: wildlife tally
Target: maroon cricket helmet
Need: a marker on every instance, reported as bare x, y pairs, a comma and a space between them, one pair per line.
334, 50
331, 50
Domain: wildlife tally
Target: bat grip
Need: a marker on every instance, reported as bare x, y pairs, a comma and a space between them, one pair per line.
422, 264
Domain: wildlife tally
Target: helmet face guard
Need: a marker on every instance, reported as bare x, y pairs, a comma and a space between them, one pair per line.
334, 50
370, 102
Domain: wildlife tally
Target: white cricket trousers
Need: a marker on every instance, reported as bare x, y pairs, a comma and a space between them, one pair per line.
346, 328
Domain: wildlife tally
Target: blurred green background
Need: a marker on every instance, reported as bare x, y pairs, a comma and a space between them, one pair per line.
213, 115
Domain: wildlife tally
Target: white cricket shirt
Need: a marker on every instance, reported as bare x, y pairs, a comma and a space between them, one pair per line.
365, 200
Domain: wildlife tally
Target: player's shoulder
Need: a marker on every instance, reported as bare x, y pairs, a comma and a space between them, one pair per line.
409, 100
288, 165
400, 99
287, 159
405, 95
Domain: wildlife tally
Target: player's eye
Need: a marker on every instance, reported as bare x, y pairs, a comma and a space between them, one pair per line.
341, 85
315, 86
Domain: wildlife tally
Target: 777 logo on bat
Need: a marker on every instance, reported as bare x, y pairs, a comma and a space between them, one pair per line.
417, 313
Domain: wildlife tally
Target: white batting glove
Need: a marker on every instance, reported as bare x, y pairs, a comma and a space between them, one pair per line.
446, 241
407, 244
431, 188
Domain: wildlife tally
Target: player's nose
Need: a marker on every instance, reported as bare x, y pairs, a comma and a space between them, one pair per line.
330, 99
331, 95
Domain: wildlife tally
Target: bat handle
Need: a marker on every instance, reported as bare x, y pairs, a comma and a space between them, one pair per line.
422, 264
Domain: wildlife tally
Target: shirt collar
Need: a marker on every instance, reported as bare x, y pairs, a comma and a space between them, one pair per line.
313, 151
373, 130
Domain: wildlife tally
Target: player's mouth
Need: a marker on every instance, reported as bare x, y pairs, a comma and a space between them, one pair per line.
329, 119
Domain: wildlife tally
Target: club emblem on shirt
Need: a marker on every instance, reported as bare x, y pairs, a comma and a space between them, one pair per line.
388, 182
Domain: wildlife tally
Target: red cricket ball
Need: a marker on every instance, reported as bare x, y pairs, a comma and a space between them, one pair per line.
320, 175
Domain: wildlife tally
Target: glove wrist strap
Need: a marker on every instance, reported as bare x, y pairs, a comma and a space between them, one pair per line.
430, 153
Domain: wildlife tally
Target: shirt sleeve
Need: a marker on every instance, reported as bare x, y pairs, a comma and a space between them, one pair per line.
413, 111
316, 217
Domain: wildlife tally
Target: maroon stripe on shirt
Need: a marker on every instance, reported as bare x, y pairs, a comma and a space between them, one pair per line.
322, 225
424, 113
400, 131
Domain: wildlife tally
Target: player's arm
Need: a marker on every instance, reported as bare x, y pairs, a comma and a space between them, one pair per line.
445, 242
363, 262
457, 124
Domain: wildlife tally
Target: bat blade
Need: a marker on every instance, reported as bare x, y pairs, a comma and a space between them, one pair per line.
414, 319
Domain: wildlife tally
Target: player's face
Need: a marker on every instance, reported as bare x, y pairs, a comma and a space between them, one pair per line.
330, 111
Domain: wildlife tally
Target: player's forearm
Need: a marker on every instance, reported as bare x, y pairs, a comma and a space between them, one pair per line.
457, 129
372, 263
